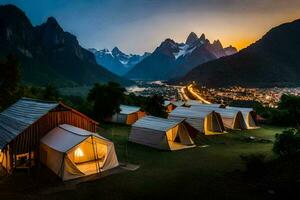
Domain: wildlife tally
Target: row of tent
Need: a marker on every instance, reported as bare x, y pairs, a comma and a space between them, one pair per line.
200, 115
184, 123
65, 140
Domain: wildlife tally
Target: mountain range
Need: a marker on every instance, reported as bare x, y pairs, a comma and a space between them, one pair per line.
171, 59
47, 53
271, 61
116, 61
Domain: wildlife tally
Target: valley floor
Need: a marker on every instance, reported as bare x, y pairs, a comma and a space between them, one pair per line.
212, 172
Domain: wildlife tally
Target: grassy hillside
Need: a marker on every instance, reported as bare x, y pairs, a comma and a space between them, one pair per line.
207, 173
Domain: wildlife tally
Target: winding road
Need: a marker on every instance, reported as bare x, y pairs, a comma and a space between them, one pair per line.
196, 95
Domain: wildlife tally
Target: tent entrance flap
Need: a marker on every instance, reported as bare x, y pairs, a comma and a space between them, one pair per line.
239, 122
179, 135
212, 124
251, 121
89, 156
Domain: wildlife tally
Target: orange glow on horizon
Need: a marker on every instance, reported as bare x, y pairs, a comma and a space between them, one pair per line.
241, 44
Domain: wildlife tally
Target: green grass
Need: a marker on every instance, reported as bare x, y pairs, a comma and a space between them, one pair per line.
213, 172
194, 173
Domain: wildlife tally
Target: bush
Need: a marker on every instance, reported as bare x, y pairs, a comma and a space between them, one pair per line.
292, 104
287, 143
255, 163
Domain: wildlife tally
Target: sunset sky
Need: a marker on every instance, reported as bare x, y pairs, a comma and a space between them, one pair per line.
136, 26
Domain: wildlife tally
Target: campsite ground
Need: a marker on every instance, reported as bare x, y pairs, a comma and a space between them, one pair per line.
212, 172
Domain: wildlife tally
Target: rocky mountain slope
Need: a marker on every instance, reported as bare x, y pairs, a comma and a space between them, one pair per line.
172, 59
47, 53
271, 61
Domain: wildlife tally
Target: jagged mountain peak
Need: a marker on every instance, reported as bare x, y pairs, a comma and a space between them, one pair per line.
116, 50
52, 21
168, 45
172, 59
192, 38
217, 44
202, 37
168, 41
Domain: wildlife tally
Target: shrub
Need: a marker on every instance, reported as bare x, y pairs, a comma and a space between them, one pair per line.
287, 143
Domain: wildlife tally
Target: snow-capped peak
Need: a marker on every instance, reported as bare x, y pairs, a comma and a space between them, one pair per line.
116, 61
184, 49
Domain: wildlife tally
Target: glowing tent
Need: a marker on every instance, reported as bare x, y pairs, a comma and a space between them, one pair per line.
232, 119
72, 152
207, 122
24, 123
160, 133
128, 115
249, 116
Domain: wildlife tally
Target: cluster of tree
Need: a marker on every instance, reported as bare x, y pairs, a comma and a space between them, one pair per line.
105, 100
287, 113
9, 80
154, 105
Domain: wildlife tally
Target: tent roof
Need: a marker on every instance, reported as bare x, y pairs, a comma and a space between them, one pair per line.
224, 112
240, 109
189, 113
175, 103
64, 137
128, 109
156, 123
19, 116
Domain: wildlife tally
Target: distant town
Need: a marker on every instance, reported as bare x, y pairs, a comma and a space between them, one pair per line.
266, 96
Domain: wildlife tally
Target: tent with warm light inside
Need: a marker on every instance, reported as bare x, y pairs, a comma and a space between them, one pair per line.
72, 152
249, 116
164, 134
232, 119
206, 122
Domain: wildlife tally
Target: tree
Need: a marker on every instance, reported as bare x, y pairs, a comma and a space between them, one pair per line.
291, 103
154, 105
287, 143
50, 93
106, 99
9, 80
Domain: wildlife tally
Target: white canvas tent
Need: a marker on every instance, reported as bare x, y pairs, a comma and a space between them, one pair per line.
232, 119
207, 122
128, 115
71, 152
249, 116
248, 113
160, 133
